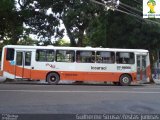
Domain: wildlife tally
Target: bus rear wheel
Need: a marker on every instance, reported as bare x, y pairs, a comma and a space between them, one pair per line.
53, 78
125, 80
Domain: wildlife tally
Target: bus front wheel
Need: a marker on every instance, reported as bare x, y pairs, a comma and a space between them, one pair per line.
125, 80
53, 78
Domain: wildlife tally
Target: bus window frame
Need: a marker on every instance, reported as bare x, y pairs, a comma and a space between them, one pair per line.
79, 60
125, 58
72, 59
112, 59
46, 51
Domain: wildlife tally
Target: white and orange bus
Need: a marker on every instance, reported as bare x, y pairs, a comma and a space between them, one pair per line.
52, 64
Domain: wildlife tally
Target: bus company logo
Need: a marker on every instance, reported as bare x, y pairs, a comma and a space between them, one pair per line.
98, 68
151, 8
50, 65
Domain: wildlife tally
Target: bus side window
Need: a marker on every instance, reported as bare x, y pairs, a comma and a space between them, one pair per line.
85, 56
10, 54
125, 58
44, 55
41, 55
50, 55
105, 57
65, 56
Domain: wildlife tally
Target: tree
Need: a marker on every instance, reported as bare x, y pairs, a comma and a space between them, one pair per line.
37, 21
120, 30
11, 27
76, 19
76, 16
32, 17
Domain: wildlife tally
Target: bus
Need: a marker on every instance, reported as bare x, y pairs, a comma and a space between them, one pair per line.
53, 64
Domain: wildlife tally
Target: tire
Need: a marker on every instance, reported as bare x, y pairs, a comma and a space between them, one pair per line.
125, 80
53, 78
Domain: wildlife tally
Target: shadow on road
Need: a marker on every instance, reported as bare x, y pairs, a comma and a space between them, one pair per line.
70, 83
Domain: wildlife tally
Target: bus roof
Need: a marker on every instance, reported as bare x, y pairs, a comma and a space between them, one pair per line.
74, 48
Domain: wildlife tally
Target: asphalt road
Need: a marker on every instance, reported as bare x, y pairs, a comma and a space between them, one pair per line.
74, 99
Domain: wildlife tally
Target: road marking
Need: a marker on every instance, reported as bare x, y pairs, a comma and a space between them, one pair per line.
40, 91
148, 88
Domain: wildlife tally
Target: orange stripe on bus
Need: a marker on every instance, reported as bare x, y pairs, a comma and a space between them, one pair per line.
65, 75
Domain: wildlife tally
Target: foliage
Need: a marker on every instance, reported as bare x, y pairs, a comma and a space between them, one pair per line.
76, 17
61, 42
27, 41
20, 18
74, 14
38, 21
86, 23
119, 30
11, 28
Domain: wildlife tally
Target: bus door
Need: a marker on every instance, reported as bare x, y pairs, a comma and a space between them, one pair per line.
23, 64
141, 67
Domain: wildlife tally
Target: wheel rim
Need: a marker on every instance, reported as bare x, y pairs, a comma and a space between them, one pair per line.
53, 78
125, 80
